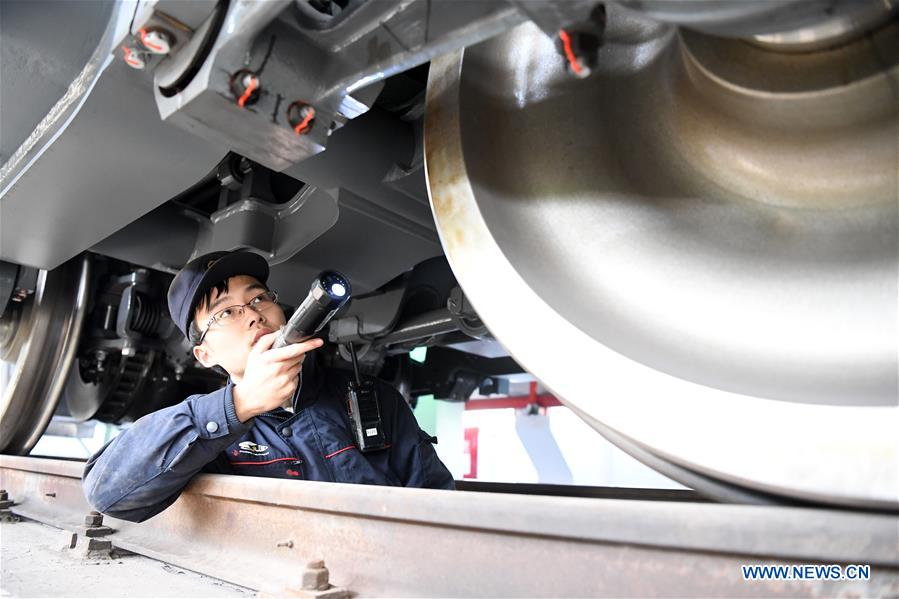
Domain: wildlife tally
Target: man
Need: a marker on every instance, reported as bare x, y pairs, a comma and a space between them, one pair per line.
270, 420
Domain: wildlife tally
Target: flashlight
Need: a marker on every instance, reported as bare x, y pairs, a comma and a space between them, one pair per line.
328, 293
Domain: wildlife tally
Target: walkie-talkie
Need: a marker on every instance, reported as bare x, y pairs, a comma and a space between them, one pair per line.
364, 411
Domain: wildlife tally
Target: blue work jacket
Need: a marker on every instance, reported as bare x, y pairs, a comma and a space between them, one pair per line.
143, 470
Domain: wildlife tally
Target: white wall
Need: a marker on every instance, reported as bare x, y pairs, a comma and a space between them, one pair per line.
555, 447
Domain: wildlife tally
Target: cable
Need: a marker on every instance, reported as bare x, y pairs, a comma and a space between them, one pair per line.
355, 363
304, 124
268, 53
569, 52
150, 45
254, 83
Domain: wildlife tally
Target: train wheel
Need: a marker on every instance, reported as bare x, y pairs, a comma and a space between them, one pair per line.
38, 339
699, 241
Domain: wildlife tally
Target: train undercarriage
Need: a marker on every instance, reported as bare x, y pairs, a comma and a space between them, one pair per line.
681, 218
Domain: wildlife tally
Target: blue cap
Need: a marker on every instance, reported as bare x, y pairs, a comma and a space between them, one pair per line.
201, 274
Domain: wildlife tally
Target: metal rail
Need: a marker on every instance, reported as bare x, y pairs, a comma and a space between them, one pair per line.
382, 541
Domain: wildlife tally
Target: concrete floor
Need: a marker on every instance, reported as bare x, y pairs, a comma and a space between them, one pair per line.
35, 562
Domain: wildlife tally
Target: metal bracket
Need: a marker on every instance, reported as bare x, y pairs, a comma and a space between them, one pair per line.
313, 585
8, 274
277, 231
5, 503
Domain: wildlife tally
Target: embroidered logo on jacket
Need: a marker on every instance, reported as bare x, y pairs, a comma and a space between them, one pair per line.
252, 449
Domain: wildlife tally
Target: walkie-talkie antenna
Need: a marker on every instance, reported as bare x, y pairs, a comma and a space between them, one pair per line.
355, 363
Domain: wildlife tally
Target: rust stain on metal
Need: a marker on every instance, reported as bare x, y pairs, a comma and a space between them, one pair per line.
446, 173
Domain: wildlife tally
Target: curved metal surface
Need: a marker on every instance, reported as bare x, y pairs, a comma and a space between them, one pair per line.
838, 29
740, 19
44, 47
42, 353
106, 122
76, 92
719, 254
174, 75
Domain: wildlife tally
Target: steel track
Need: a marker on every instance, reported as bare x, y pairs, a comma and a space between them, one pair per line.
382, 541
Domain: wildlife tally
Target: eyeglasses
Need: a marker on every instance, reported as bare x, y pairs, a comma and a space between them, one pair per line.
231, 315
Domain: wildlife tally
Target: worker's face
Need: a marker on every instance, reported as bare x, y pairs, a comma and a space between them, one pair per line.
229, 346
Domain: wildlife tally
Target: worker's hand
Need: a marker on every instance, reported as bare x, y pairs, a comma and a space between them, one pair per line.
271, 376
